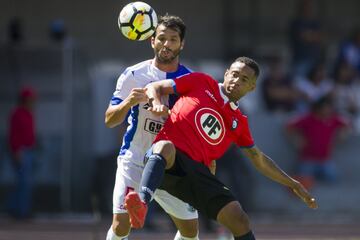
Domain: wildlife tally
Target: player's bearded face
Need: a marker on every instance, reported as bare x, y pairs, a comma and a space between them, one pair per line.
167, 44
166, 55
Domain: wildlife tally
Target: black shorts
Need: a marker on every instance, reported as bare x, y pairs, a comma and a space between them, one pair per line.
193, 183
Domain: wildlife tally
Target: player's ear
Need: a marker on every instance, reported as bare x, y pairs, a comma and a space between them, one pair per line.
153, 42
182, 44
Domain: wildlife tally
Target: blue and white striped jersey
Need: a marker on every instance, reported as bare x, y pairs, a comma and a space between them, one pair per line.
143, 126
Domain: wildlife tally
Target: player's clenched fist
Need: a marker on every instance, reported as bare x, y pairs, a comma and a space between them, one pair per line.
137, 95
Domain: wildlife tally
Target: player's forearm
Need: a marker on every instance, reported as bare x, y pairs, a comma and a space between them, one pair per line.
157, 89
274, 172
154, 92
269, 168
115, 115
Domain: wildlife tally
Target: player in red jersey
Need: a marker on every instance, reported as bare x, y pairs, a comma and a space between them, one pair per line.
202, 125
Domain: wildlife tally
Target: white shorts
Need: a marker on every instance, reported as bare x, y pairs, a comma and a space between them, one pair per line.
128, 176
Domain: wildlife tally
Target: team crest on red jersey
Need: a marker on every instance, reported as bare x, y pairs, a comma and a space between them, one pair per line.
210, 125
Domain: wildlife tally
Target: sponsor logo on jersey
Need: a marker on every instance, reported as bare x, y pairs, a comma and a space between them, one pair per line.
210, 95
210, 125
152, 126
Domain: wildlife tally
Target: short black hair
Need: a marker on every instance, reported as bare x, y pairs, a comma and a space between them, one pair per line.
250, 63
173, 22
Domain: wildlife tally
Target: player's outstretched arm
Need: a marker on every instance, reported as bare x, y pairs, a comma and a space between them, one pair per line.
154, 92
269, 168
115, 114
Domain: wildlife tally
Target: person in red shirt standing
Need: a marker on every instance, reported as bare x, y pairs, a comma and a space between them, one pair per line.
21, 143
202, 125
314, 134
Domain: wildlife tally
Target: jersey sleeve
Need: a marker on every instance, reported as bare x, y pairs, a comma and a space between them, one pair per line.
125, 83
182, 84
190, 82
244, 138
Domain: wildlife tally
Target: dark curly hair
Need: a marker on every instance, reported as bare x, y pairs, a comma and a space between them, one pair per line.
173, 22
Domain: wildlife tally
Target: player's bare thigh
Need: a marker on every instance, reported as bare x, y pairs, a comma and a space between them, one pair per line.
167, 150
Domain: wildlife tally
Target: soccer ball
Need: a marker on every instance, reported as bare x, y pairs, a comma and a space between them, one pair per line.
137, 21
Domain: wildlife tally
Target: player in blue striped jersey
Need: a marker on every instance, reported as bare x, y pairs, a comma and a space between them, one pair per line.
129, 102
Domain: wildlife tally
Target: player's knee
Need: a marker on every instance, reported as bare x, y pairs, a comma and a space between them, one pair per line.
234, 218
243, 220
167, 150
121, 228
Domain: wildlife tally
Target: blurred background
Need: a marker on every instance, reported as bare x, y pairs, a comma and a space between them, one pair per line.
64, 57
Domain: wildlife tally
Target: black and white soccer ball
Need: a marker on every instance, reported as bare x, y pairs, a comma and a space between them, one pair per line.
137, 21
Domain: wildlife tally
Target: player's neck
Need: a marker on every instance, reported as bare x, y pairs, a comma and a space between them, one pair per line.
167, 67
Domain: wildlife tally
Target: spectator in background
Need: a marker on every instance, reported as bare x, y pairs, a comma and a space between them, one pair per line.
314, 136
278, 91
344, 91
356, 87
306, 38
313, 87
350, 50
15, 31
347, 93
59, 35
22, 143
57, 30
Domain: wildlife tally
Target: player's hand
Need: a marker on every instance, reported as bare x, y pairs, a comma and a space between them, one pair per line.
158, 109
137, 95
304, 195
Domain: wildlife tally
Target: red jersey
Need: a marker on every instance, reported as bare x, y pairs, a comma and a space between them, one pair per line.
22, 129
319, 135
202, 123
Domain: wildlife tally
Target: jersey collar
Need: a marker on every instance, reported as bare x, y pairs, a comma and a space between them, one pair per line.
233, 105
